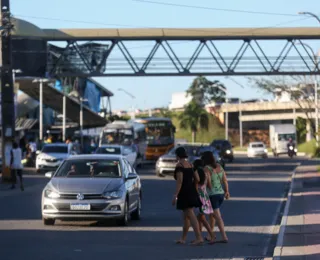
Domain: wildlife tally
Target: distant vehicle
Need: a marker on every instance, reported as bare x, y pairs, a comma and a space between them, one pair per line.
257, 149
160, 136
92, 187
166, 163
280, 135
224, 148
125, 133
216, 155
129, 152
52, 155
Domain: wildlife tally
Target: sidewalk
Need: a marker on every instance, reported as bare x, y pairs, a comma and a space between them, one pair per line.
299, 236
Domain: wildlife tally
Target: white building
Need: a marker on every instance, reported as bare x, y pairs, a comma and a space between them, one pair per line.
179, 100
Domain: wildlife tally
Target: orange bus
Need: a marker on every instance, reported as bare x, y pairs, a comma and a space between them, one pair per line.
160, 136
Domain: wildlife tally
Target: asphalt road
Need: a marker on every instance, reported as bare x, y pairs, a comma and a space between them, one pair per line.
257, 189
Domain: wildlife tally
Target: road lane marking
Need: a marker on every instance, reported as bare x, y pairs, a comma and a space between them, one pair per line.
65, 226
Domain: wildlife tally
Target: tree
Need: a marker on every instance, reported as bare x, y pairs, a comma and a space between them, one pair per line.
204, 91
300, 88
166, 113
194, 117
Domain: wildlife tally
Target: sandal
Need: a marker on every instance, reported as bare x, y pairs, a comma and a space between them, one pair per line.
194, 243
224, 241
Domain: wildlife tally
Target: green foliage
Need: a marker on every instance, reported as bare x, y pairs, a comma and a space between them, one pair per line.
204, 91
215, 130
301, 126
308, 147
194, 117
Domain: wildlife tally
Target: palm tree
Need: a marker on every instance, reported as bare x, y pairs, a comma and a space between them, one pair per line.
194, 117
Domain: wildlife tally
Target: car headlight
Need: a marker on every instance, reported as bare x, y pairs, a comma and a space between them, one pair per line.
51, 194
228, 151
265, 150
113, 194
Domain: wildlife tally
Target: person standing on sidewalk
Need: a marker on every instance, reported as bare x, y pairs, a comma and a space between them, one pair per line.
16, 165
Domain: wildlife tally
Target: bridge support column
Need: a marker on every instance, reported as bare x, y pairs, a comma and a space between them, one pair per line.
309, 132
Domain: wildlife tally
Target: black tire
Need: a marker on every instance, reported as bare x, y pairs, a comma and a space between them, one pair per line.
49, 221
136, 215
160, 175
124, 221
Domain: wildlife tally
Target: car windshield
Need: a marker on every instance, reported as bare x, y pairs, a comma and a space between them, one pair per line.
55, 149
191, 150
286, 137
257, 145
109, 150
102, 168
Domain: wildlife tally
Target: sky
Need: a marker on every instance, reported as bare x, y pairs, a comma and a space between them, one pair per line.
156, 91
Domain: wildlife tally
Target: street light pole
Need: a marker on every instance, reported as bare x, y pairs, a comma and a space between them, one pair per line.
81, 122
64, 104
133, 97
315, 82
7, 88
41, 81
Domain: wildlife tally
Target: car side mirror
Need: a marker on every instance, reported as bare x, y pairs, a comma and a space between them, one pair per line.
38, 152
49, 175
131, 176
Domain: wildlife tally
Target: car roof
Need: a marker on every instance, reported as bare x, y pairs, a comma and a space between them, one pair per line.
96, 156
110, 145
56, 144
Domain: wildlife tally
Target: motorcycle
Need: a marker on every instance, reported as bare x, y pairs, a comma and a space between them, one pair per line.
292, 151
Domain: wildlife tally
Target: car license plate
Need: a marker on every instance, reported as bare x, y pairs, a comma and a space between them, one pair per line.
80, 206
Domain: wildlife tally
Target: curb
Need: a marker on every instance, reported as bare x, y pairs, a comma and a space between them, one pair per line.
278, 249
269, 153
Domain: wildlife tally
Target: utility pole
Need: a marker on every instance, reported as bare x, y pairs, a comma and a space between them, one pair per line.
7, 89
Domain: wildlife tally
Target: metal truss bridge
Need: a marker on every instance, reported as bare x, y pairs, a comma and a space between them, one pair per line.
289, 55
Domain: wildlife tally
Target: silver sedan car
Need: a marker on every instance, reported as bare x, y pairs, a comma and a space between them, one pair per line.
92, 187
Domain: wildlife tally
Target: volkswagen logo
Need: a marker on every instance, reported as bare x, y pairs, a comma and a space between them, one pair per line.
80, 196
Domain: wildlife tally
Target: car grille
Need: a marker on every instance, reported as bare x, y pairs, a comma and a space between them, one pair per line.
169, 161
51, 160
65, 196
94, 206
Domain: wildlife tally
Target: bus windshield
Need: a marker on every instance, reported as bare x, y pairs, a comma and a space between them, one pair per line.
160, 133
117, 136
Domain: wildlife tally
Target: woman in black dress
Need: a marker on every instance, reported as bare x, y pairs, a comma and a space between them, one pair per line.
186, 196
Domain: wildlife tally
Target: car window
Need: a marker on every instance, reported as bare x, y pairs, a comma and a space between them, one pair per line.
109, 150
130, 168
55, 149
91, 168
126, 168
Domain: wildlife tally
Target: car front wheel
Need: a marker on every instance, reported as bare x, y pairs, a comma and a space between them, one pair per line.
49, 221
124, 221
136, 215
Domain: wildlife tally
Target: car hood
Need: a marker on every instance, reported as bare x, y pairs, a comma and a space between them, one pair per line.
86, 185
168, 156
53, 155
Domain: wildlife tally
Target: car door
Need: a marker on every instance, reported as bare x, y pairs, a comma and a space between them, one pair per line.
135, 186
130, 185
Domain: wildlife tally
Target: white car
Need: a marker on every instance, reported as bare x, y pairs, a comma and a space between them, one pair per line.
257, 149
129, 152
52, 155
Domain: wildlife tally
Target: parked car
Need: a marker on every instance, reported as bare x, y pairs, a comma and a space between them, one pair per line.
257, 149
129, 152
166, 163
52, 155
92, 187
224, 149
215, 154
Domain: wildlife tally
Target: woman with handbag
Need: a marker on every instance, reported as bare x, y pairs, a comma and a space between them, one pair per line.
217, 194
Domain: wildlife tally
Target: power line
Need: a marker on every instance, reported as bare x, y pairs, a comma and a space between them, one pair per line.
213, 8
